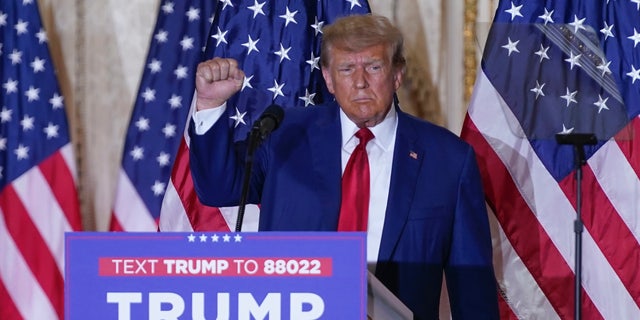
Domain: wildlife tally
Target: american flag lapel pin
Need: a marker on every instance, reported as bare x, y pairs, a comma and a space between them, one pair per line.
413, 155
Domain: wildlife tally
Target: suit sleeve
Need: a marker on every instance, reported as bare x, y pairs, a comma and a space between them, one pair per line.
217, 166
469, 271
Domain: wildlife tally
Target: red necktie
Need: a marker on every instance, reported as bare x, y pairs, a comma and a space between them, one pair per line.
354, 207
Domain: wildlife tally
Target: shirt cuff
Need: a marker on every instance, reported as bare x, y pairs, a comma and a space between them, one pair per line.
205, 119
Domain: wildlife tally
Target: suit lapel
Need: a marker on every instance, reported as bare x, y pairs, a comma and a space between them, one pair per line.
407, 160
325, 147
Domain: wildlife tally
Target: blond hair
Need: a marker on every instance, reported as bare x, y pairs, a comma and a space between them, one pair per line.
358, 32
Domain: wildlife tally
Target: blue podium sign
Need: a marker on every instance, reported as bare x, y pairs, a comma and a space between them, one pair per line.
256, 275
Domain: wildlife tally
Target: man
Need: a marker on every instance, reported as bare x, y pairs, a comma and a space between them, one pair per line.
425, 213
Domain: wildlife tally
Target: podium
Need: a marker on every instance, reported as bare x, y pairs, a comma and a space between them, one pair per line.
218, 275
382, 304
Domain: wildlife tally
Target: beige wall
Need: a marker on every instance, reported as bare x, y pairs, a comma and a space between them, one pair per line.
99, 48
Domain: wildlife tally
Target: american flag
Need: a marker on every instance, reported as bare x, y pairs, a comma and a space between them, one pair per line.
561, 67
38, 199
277, 43
160, 113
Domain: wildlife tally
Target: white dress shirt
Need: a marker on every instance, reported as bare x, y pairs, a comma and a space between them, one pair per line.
380, 153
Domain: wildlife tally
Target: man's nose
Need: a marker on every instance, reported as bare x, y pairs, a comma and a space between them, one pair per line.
361, 78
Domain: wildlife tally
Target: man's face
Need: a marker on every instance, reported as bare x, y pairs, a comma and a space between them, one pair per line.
363, 83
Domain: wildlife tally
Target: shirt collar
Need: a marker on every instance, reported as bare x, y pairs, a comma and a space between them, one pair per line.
384, 131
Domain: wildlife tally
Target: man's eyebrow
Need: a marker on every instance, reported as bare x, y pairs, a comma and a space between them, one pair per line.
367, 62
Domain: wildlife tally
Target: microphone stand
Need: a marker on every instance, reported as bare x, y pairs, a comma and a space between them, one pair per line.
255, 138
578, 140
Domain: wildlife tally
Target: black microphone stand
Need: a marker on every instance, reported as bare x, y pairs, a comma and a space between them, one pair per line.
578, 140
268, 121
255, 137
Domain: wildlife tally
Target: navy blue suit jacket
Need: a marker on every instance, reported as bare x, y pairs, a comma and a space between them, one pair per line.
436, 218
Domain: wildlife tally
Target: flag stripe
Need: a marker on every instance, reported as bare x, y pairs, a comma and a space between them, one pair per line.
621, 173
505, 311
45, 214
629, 146
199, 215
130, 211
601, 270
603, 281
38, 197
541, 256
538, 262
57, 172
8, 309
160, 113
516, 284
552, 68
25, 292
608, 216
114, 224
33, 250
173, 217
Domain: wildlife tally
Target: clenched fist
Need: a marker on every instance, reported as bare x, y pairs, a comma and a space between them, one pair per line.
217, 80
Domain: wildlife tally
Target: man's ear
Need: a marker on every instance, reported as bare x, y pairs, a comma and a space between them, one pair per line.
326, 74
397, 78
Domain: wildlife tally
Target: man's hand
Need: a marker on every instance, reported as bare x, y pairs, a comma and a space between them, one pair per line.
216, 81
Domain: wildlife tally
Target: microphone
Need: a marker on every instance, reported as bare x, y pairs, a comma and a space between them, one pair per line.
269, 120
576, 138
